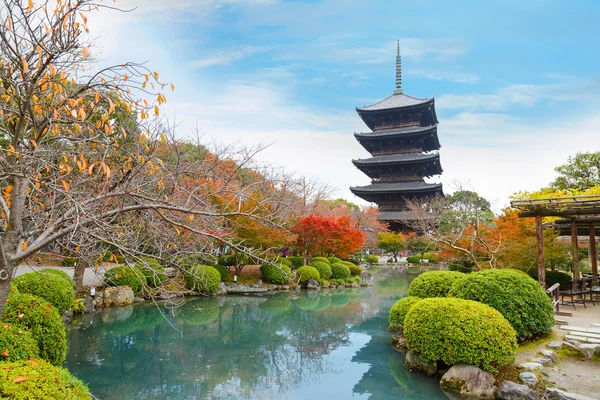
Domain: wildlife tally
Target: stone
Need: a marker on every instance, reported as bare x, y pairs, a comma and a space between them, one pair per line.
588, 350
118, 296
332, 286
557, 394
469, 382
366, 277
530, 366
67, 317
549, 354
285, 287
88, 305
340, 286
222, 290
238, 288
573, 345
528, 378
513, 391
398, 341
542, 360
138, 300
170, 272
313, 285
353, 285
555, 345
414, 363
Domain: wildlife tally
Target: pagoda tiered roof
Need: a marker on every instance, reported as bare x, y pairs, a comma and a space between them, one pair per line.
405, 158
423, 137
398, 187
396, 100
407, 131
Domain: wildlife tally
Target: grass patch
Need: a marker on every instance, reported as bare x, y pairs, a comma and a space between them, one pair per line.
243, 279
565, 352
536, 341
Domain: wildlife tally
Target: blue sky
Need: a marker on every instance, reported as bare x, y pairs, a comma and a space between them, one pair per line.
515, 83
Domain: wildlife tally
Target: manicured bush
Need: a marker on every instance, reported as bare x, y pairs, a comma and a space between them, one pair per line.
69, 262
154, 272
333, 260
553, 277
434, 283
307, 273
399, 310
17, 343
52, 285
126, 276
354, 269
340, 271
78, 306
515, 295
275, 274
223, 271
43, 321
455, 330
193, 259
322, 259
297, 262
284, 261
33, 379
371, 259
203, 279
414, 259
323, 268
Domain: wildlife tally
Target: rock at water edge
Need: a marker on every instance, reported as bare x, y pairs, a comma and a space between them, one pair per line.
414, 363
469, 381
513, 391
557, 394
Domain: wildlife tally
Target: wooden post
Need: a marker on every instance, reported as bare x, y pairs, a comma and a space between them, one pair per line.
539, 233
575, 250
593, 250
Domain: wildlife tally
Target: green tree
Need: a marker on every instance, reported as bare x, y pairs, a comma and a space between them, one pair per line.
392, 242
581, 171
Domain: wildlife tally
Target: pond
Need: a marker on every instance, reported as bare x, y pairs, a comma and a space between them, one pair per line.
331, 344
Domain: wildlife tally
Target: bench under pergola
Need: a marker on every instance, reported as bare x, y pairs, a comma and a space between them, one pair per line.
578, 216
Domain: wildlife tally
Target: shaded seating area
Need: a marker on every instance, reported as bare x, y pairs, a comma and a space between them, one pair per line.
581, 291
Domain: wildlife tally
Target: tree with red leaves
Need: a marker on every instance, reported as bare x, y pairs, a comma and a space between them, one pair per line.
327, 236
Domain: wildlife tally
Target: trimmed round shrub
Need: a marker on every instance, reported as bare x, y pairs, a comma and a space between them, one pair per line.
413, 259
284, 261
204, 279
307, 273
434, 283
354, 269
323, 268
399, 310
43, 381
154, 272
54, 286
190, 260
69, 261
340, 271
297, 262
455, 330
515, 295
322, 259
275, 274
126, 276
333, 260
223, 271
371, 259
553, 277
43, 321
17, 343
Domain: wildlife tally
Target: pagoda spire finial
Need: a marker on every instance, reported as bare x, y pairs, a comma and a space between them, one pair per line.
398, 72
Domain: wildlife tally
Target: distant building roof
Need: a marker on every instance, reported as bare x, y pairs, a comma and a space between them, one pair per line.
396, 100
397, 158
396, 132
398, 187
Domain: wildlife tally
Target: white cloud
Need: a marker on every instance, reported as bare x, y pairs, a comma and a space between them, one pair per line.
228, 56
443, 75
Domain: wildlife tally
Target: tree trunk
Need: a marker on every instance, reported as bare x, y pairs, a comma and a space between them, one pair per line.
78, 273
5, 284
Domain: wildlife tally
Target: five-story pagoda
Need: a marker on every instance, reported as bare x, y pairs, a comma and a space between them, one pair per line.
403, 143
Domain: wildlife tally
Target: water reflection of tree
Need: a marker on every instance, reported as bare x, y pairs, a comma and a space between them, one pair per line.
235, 347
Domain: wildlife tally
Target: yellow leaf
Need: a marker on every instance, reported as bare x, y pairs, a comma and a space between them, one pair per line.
25, 245
25, 65
30, 5
9, 25
65, 185
172, 87
85, 52
163, 137
156, 75
77, 249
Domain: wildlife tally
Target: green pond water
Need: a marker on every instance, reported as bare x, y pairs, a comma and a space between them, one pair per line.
331, 344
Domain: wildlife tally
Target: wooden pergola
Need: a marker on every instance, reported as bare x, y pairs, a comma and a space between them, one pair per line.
578, 214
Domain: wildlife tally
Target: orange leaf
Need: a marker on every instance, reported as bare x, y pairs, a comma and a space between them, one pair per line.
20, 315
25, 245
85, 52
25, 65
20, 379
5, 353
30, 5
77, 249
33, 362
65, 185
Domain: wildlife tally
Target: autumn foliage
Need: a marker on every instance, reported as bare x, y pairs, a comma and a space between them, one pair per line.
321, 235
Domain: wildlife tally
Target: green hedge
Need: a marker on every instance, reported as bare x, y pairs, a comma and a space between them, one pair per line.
414, 259
69, 261
17, 343
126, 276
297, 262
340, 271
515, 295
223, 271
44, 381
284, 261
44, 322
154, 272
434, 283
52, 285
333, 260
455, 330
400, 309
354, 269
553, 277
323, 268
203, 279
322, 259
275, 274
307, 273
371, 259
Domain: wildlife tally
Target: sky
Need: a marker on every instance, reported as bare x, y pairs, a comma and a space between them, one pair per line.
515, 83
